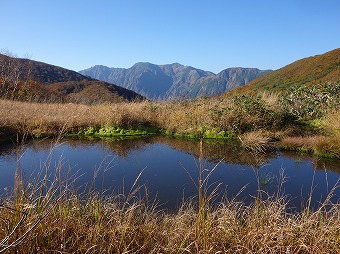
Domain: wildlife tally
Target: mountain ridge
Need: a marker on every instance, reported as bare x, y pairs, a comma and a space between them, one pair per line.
174, 80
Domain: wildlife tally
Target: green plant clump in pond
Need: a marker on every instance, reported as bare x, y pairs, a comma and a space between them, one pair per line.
96, 131
206, 134
114, 132
215, 134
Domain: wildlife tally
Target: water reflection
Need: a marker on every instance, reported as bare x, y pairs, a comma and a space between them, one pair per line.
113, 165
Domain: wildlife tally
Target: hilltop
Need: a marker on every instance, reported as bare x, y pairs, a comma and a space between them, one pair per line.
25, 79
173, 81
315, 70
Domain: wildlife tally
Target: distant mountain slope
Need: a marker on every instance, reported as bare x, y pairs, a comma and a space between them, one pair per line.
24, 77
91, 92
307, 71
226, 80
174, 80
42, 72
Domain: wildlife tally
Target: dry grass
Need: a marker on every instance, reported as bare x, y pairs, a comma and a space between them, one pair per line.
46, 216
246, 117
319, 145
127, 224
332, 122
302, 142
256, 142
48, 119
271, 99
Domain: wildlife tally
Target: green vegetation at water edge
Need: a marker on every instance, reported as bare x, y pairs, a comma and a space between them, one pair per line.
114, 132
205, 134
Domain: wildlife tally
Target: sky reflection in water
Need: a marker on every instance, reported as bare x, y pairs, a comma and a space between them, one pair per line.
113, 165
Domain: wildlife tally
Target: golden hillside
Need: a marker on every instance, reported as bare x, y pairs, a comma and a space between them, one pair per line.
319, 69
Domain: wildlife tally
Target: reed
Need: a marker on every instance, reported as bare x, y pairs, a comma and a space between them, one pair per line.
94, 224
256, 142
187, 117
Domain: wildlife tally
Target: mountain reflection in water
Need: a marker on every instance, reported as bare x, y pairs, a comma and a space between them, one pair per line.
113, 165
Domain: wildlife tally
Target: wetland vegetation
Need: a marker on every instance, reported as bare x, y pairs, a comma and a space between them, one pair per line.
304, 119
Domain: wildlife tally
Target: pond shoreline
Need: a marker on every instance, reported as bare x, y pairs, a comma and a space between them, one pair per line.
258, 126
213, 135
135, 220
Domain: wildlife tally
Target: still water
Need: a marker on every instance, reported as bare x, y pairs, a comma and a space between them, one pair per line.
169, 169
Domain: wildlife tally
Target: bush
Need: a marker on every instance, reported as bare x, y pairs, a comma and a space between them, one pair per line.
310, 102
252, 113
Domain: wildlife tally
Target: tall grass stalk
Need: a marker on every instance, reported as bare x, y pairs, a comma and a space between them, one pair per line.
31, 203
67, 222
205, 197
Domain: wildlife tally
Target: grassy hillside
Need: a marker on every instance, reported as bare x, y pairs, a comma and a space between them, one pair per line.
319, 69
27, 80
91, 92
39, 71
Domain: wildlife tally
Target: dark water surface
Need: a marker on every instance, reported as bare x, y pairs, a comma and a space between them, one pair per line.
114, 165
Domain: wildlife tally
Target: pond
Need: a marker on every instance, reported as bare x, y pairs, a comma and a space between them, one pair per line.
169, 169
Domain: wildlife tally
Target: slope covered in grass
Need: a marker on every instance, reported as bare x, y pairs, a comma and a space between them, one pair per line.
319, 69
28, 80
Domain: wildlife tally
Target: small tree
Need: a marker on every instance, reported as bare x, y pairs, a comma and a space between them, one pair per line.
14, 73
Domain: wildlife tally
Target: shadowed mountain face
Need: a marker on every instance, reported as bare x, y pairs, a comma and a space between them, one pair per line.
172, 81
29, 80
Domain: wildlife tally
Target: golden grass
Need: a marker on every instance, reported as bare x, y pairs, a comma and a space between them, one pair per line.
332, 122
319, 145
246, 117
271, 99
256, 142
48, 119
302, 142
51, 218
127, 224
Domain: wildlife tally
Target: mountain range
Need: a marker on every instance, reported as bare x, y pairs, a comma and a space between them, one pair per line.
29, 80
172, 81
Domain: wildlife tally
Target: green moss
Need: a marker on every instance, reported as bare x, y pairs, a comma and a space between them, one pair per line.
215, 134
111, 131
316, 123
205, 134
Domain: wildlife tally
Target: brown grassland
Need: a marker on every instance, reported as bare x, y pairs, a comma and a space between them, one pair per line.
305, 119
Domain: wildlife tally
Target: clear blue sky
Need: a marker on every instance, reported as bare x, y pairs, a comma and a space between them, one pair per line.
210, 35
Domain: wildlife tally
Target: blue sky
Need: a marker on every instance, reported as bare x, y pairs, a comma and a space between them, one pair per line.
210, 35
